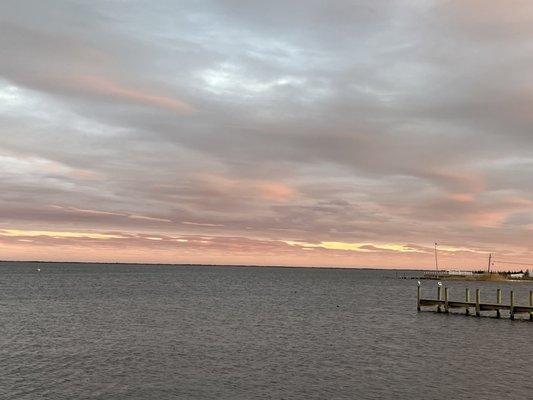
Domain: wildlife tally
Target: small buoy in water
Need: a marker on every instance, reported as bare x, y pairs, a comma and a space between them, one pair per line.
38, 269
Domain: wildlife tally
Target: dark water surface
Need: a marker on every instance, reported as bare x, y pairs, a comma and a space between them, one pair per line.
81, 331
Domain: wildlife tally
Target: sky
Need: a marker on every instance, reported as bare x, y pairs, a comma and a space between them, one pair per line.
304, 133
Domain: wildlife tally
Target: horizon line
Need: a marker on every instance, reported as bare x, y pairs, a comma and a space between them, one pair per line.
391, 268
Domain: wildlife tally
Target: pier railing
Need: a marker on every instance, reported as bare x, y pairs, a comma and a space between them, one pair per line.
445, 304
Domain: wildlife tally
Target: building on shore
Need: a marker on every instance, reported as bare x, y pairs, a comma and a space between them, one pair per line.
453, 272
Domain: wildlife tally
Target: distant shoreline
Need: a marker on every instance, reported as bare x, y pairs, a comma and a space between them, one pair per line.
492, 277
208, 265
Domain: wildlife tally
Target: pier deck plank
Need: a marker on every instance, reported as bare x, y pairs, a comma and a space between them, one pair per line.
522, 309
431, 302
460, 304
482, 306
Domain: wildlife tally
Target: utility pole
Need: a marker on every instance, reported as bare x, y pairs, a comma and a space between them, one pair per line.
490, 259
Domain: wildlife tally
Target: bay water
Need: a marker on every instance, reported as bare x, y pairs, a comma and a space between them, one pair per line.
112, 331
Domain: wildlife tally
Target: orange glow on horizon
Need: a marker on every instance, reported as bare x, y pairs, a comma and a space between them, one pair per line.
153, 248
56, 234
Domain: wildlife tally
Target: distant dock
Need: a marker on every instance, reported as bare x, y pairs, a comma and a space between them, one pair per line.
444, 305
476, 276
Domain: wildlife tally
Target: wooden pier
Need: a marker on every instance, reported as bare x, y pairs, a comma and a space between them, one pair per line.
445, 304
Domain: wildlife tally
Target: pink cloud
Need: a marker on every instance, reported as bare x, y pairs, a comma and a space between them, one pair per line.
107, 87
275, 191
247, 188
462, 197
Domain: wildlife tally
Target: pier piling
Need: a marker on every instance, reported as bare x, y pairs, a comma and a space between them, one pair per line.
498, 301
478, 308
438, 297
531, 304
467, 301
511, 306
446, 305
418, 290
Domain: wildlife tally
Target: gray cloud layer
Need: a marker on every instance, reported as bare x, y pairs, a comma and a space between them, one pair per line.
392, 121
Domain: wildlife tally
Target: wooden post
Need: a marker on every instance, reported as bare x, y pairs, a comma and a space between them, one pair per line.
498, 301
478, 309
438, 298
467, 300
511, 308
531, 304
446, 308
418, 297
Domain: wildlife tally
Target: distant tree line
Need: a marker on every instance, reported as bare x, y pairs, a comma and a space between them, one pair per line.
505, 273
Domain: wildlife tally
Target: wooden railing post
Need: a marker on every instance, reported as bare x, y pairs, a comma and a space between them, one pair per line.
467, 300
446, 308
478, 308
498, 301
511, 307
531, 304
418, 290
438, 298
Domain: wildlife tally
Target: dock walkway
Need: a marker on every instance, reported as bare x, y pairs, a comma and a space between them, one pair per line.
445, 305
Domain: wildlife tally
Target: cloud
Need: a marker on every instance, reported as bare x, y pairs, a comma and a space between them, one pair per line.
354, 123
106, 87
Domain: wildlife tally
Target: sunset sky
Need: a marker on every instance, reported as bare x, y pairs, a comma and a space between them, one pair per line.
323, 133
